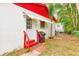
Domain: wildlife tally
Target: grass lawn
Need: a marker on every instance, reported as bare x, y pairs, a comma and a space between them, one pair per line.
64, 45
16, 52
20, 51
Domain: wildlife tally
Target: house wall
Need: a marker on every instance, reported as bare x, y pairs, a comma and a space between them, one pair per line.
36, 26
11, 28
12, 24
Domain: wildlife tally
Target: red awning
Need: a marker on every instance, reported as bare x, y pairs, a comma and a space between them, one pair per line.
38, 8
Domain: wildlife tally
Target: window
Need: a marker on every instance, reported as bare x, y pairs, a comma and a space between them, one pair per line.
42, 24
28, 22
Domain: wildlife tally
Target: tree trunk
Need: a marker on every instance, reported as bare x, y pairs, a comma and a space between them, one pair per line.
73, 21
77, 11
51, 29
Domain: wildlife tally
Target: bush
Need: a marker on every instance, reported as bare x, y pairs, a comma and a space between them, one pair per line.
68, 29
76, 33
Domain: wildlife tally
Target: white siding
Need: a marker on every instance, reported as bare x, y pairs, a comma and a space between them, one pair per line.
11, 28
46, 29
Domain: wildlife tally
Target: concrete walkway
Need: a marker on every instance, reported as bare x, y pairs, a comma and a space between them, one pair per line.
36, 51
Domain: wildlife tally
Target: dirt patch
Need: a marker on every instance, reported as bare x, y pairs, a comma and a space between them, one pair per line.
68, 45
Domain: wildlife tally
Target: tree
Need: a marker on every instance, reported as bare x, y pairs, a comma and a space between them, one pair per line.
51, 13
68, 14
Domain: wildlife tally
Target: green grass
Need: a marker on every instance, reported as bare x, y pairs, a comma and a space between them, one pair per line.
16, 52
76, 33
67, 46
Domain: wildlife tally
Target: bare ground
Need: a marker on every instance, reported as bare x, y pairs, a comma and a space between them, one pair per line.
62, 45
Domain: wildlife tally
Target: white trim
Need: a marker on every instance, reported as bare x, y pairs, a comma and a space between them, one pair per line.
39, 17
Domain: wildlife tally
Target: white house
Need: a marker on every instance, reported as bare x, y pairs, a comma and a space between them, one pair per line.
13, 22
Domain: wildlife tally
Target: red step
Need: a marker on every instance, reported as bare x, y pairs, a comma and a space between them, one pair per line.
31, 41
32, 44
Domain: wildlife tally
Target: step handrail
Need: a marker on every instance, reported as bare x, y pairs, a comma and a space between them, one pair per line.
26, 36
39, 36
26, 44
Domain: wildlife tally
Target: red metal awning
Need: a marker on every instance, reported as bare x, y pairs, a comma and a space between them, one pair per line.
38, 8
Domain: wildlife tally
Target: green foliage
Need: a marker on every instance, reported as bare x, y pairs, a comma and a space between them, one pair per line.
51, 9
67, 15
68, 25
68, 29
76, 33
